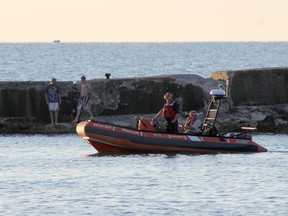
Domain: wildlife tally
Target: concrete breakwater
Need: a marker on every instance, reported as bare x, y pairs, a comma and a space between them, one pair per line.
257, 97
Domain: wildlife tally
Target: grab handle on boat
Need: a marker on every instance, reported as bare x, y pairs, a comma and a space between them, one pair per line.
248, 128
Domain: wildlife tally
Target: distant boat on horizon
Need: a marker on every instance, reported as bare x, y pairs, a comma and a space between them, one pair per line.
56, 41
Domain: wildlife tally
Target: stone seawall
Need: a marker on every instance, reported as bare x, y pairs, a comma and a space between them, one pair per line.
268, 86
256, 97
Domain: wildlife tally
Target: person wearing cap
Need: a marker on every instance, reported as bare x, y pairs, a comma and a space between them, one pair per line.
53, 99
170, 112
193, 123
85, 93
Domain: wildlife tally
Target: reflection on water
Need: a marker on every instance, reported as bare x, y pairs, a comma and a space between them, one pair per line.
63, 175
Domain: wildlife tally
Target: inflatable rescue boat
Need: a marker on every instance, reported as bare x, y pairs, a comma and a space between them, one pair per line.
146, 138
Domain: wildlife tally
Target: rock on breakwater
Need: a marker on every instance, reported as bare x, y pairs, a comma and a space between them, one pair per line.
251, 100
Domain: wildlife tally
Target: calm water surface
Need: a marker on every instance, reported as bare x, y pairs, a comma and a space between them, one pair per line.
62, 175
68, 61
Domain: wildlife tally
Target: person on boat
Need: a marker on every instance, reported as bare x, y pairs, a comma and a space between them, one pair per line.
170, 112
85, 94
193, 123
53, 99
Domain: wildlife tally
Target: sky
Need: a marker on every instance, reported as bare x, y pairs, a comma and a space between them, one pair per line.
143, 20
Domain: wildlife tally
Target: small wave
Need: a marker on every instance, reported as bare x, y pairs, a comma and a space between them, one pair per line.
282, 152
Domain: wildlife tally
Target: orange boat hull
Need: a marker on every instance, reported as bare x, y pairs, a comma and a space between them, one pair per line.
108, 138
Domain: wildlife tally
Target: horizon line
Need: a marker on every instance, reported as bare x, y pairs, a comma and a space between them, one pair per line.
212, 41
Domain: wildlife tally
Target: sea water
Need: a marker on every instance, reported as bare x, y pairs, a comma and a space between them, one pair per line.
69, 61
62, 175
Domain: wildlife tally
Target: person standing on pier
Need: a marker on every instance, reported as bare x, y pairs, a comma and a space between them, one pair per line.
85, 94
53, 99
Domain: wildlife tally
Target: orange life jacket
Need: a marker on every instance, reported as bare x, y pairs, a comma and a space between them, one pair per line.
192, 121
168, 111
